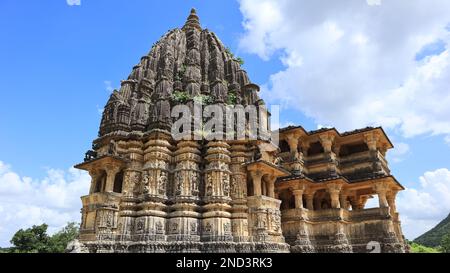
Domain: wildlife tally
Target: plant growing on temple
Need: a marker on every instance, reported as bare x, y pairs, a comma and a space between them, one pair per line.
180, 74
180, 96
232, 98
228, 51
203, 99
240, 60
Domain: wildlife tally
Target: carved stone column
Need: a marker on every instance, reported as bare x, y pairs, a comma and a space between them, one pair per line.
256, 179
371, 140
305, 146
310, 200
298, 194
358, 202
343, 199
390, 196
327, 142
111, 172
239, 214
131, 182
155, 177
216, 220
270, 185
187, 173
184, 223
94, 176
293, 141
334, 189
381, 189
151, 220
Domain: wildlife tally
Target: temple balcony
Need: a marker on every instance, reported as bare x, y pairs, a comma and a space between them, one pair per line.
366, 162
324, 215
100, 199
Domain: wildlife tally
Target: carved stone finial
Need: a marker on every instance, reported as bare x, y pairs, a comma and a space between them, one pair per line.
193, 21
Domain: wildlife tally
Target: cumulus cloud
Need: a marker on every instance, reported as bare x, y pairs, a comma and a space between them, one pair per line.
54, 200
356, 64
73, 2
422, 207
399, 153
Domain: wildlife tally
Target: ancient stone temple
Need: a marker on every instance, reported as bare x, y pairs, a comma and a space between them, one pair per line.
151, 192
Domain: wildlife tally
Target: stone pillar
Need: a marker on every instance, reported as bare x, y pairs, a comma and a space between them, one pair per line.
187, 172
155, 176
94, 175
239, 214
381, 189
256, 179
111, 172
327, 142
310, 200
270, 185
391, 195
358, 202
238, 172
343, 199
151, 220
334, 189
371, 140
305, 147
337, 149
263, 187
216, 223
292, 141
298, 194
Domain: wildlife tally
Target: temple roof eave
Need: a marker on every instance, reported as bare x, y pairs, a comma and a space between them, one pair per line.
287, 182
335, 132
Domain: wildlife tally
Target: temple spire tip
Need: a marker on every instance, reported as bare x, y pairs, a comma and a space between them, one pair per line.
193, 20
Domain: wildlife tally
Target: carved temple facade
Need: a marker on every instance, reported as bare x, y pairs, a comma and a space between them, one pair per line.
152, 193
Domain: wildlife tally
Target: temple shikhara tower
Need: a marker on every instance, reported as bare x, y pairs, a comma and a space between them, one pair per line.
151, 192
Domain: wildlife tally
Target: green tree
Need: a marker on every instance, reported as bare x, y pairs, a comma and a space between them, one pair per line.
418, 248
58, 242
445, 243
36, 239
31, 240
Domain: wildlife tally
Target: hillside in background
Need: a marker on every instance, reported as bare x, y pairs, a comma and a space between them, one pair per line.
433, 237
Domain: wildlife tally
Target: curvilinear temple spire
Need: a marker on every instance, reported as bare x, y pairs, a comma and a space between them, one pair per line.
151, 192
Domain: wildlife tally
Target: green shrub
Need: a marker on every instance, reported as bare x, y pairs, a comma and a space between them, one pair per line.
180, 96
232, 98
203, 99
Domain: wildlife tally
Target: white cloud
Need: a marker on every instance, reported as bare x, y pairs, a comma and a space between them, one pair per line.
422, 207
399, 153
447, 140
108, 86
73, 2
54, 200
354, 65
373, 2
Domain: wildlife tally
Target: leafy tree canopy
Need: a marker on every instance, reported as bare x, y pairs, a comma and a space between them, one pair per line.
36, 239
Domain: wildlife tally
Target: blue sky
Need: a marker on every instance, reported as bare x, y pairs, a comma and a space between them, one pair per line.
58, 63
